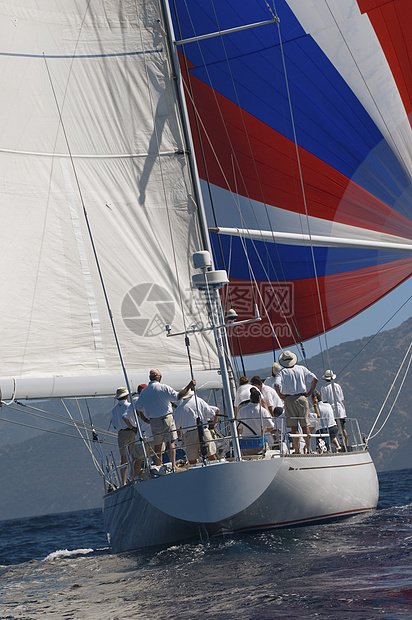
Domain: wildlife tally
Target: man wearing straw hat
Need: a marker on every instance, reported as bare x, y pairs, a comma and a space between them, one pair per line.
332, 393
291, 385
125, 435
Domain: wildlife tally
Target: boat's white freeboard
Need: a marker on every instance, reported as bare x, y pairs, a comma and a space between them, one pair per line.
240, 496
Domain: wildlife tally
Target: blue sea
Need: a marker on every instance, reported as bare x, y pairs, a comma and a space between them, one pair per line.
60, 567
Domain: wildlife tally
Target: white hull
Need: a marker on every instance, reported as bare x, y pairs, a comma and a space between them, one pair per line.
239, 496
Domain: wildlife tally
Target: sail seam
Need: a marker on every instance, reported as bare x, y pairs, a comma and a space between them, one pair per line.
94, 313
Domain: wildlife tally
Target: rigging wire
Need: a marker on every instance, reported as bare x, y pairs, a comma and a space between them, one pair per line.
53, 432
370, 436
57, 418
250, 269
374, 335
303, 190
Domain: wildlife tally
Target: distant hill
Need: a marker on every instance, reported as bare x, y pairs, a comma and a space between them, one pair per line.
53, 473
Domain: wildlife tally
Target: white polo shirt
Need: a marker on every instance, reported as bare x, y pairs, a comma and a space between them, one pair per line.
295, 380
156, 400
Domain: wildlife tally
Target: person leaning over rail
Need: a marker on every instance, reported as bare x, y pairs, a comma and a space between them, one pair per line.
155, 404
126, 436
332, 393
186, 414
291, 385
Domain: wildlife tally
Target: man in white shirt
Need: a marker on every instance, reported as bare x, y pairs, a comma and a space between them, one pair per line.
242, 396
270, 382
332, 393
270, 396
257, 420
325, 419
186, 414
125, 435
156, 403
291, 386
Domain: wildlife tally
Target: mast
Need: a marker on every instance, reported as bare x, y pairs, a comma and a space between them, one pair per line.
212, 296
185, 124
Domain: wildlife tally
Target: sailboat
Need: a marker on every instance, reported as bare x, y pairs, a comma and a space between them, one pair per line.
273, 138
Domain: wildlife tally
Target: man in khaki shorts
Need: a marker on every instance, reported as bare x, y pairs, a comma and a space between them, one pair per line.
155, 402
126, 437
291, 385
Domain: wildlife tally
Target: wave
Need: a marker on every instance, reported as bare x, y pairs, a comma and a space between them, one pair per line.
65, 553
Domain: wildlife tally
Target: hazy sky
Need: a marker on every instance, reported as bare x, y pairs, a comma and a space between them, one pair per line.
365, 324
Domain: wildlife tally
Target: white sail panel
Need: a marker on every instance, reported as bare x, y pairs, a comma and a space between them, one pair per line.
87, 122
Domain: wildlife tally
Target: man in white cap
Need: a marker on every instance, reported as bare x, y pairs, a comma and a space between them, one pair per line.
291, 385
270, 381
332, 393
125, 436
186, 414
155, 405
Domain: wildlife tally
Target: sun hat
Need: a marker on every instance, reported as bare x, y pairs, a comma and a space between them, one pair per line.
121, 393
328, 376
287, 359
275, 368
188, 395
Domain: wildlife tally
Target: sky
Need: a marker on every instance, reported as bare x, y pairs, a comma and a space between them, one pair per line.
367, 323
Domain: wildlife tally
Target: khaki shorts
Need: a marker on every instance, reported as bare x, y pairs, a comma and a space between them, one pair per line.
138, 449
163, 429
296, 410
190, 441
126, 437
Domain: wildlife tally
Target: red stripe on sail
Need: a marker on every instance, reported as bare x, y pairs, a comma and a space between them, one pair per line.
271, 176
294, 310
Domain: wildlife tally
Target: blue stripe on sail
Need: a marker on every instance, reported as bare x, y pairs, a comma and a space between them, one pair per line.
279, 262
331, 122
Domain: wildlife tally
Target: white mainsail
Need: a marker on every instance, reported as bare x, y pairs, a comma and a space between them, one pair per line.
87, 123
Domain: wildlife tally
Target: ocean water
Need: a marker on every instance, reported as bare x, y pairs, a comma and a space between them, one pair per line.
59, 566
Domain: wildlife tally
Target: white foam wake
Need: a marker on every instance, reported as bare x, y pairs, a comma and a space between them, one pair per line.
65, 553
